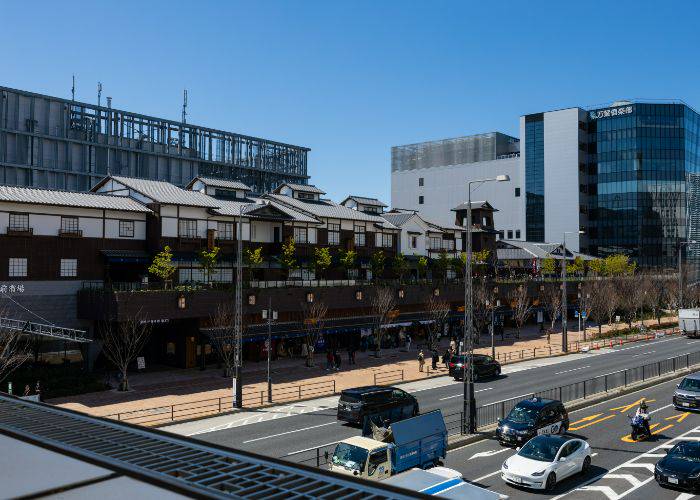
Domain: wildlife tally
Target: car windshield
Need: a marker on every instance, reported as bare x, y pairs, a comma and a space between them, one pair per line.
349, 456
522, 415
540, 448
690, 384
349, 397
686, 451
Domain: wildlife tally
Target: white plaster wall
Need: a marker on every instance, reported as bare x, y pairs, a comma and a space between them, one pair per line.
446, 187
112, 230
561, 186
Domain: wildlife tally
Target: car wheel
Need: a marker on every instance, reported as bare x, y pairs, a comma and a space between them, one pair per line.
551, 482
498, 371
586, 465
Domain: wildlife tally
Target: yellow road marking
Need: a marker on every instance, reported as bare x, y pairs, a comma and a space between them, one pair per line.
680, 417
591, 423
628, 437
586, 419
662, 429
628, 407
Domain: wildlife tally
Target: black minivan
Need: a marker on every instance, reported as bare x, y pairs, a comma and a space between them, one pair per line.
384, 403
484, 367
532, 417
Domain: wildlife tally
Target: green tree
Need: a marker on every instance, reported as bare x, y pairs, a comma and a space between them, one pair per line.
480, 260
162, 265
288, 258
207, 259
422, 265
441, 264
322, 260
253, 258
548, 266
597, 267
575, 267
346, 259
377, 263
619, 265
399, 265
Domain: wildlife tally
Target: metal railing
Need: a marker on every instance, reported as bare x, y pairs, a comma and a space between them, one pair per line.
52, 331
391, 377
162, 415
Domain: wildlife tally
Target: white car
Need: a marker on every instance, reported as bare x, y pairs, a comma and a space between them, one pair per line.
545, 460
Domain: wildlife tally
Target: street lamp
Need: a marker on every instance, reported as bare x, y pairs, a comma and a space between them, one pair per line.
680, 271
270, 316
469, 401
238, 317
564, 336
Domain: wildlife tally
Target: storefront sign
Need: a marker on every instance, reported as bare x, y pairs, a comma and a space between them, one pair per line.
13, 288
141, 363
611, 112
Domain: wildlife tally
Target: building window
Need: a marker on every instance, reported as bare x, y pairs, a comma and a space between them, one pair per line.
517, 234
510, 234
448, 245
358, 295
414, 241
301, 235
420, 181
420, 200
517, 192
224, 230
402, 294
305, 196
69, 225
309, 297
126, 228
385, 240
251, 299
500, 235
359, 236
187, 228
69, 268
19, 222
334, 234
17, 267
434, 243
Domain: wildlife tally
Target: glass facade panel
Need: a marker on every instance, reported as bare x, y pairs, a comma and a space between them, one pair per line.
534, 177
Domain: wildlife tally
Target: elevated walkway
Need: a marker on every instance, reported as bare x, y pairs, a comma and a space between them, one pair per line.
49, 331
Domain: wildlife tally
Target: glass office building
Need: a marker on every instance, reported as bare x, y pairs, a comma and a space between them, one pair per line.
642, 177
534, 177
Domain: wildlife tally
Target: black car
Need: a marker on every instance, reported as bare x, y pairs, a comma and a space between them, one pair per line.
484, 367
680, 468
380, 403
532, 417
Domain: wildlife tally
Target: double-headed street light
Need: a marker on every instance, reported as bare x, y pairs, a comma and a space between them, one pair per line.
680, 271
469, 403
564, 307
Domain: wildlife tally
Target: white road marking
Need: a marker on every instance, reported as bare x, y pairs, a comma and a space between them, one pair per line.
289, 432
461, 394
627, 477
491, 453
605, 490
685, 496
573, 370
486, 476
312, 448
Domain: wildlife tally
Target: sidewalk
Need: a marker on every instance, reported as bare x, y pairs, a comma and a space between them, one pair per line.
162, 389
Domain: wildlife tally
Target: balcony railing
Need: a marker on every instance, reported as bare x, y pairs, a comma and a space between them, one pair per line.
20, 231
71, 233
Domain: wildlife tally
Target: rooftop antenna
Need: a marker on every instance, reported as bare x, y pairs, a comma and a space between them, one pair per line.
184, 107
72, 89
99, 93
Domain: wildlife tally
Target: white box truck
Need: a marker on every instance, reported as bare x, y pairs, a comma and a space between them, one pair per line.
689, 322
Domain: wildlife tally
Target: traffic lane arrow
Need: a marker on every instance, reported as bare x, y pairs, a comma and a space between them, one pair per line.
626, 408
490, 453
602, 419
679, 418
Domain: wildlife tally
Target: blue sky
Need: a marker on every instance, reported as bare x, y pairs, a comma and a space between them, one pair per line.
351, 79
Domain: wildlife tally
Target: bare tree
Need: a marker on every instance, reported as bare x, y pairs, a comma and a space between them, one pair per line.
383, 302
610, 299
15, 349
594, 294
437, 311
630, 295
483, 304
521, 307
552, 303
660, 290
314, 319
123, 341
223, 337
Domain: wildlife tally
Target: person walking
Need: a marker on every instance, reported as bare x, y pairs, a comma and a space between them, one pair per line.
329, 360
337, 359
436, 359
421, 361
446, 358
408, 342
453, 345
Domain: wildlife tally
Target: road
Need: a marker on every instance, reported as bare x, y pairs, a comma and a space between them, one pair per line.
281, 432
620, 468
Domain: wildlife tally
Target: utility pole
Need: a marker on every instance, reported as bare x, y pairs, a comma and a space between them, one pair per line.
680, 271
469, 400
270, 316
99, 94
238, 321
564, 306
72, 89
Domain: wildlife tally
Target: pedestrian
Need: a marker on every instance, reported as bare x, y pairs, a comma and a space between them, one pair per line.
446, 358
352, 356
329, 360
436, 358
453, 345
349, 354
402, 338
336, 357
37, 390
408, 342
421, 361
27, 390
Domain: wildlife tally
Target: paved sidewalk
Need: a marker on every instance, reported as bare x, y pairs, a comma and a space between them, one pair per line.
162, 389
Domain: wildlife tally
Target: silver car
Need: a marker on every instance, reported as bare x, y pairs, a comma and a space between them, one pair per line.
687, 395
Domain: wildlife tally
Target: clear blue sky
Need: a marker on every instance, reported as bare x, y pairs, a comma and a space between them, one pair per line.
351, 79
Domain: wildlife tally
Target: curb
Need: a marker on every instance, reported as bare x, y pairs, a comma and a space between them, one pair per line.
458, 441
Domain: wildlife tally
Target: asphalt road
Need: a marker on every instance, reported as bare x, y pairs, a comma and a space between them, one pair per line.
291, 436
620, 468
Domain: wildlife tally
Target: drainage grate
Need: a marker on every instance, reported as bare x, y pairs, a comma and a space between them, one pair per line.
186, 465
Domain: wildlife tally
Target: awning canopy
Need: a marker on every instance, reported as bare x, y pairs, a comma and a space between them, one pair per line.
133, 256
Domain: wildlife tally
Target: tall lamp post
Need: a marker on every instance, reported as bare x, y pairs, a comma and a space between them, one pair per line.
680, 271
270, 316
469, 401
564, 307
238, 318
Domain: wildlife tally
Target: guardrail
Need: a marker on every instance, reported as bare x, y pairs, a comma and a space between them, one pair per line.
192, 409
384, 378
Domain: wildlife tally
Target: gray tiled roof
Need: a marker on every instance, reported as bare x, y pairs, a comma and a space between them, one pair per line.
69, 199
306, 188
399, 218
372, 202
329, 210
475, 205
222, 183
516, 249
231, 208
164, 192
